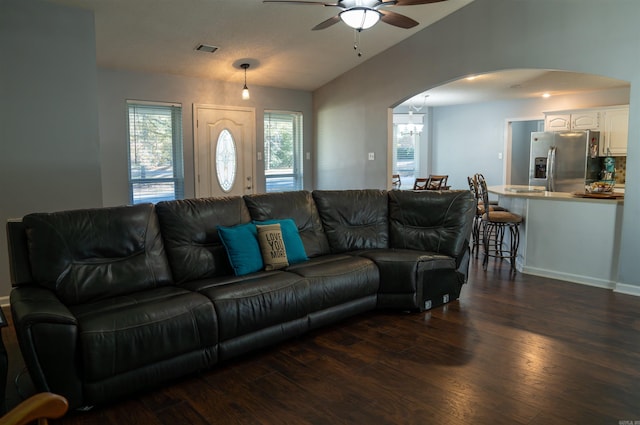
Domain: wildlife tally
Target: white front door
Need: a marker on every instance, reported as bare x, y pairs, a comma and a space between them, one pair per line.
224, 148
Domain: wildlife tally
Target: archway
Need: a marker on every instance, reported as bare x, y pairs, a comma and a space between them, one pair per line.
467, 121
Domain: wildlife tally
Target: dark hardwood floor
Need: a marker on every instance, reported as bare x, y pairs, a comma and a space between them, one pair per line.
515, 349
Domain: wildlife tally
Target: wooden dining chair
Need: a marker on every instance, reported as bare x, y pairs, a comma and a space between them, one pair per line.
396, 182
437, 182
39, 407
420, 183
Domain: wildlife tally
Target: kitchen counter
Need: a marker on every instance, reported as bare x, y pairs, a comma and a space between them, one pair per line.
565, 237
538, 192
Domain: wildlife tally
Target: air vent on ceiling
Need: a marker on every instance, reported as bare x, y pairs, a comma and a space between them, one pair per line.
206, 48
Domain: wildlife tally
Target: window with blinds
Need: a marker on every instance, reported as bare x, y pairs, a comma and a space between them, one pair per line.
156, 170
283, 151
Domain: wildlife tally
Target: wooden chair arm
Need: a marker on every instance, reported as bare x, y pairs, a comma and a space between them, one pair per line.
38, 407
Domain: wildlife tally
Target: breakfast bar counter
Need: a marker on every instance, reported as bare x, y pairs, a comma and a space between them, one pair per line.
565, 236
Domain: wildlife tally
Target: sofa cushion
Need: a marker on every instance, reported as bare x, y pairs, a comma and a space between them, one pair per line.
134, 331
354, 219
92, 254
434, 221
247, 304
189, 229
337, 279
241, 243
293, 243
300, 207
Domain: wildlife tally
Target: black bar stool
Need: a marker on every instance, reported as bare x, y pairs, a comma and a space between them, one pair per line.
495, 224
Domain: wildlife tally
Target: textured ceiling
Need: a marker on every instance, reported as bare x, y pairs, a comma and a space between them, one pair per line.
160, 36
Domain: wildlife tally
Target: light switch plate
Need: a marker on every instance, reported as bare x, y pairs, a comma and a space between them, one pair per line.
372, 156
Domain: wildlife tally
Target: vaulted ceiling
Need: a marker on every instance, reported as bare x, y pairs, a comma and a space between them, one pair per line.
161, 36
276, 39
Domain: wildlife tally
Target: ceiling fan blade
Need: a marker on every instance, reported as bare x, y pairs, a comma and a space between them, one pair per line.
397, 20
326, 24
414, 2
314, 3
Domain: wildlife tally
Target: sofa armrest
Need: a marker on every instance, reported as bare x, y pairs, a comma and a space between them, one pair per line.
47, 333
462, 263
36, 304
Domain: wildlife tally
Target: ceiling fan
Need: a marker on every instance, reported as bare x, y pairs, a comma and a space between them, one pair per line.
363, 14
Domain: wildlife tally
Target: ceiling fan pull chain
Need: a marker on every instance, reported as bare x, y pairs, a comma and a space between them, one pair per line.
356, 42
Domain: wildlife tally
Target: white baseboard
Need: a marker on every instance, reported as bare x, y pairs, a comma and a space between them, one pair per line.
569, 277
624, 288
621, 288
4, 301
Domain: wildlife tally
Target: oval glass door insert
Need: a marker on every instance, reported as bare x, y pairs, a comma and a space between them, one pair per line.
226, 160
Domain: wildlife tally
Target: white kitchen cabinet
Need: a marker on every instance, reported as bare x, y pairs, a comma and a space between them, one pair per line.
587, 120
557, 122
613, 138
572, 120
611, 121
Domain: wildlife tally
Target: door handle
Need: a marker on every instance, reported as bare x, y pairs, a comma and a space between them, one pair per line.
551, 166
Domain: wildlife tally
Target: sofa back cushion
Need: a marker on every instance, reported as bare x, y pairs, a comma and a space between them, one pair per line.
92, 254
431, 220
354, 219
189, 229
300, 207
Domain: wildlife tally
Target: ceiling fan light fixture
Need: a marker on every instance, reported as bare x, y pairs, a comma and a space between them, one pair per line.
360, 18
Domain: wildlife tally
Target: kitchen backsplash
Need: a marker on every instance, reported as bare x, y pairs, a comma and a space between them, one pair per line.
621, 169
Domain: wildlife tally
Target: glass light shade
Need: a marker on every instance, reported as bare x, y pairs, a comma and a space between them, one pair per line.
245, 93
360, 18
410, 129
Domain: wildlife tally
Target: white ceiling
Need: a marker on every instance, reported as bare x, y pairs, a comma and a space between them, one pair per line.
513, 84
160, 36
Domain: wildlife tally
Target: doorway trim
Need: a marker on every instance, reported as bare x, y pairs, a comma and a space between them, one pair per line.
508, 145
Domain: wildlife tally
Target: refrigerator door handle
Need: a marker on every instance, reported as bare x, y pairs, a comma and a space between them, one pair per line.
551, 173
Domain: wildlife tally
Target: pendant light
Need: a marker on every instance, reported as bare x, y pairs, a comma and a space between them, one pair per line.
245, 89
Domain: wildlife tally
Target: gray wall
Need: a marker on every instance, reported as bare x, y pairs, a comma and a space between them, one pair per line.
49, 153
487, 35
115, 87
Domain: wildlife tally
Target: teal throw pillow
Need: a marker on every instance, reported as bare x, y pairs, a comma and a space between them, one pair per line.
292, 242
241, 244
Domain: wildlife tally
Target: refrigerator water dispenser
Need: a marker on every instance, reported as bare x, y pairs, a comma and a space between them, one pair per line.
540, 171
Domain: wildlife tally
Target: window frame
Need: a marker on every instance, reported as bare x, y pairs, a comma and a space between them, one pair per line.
297, 170
177, 162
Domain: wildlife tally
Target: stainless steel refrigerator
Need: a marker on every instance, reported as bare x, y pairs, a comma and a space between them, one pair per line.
564, 161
